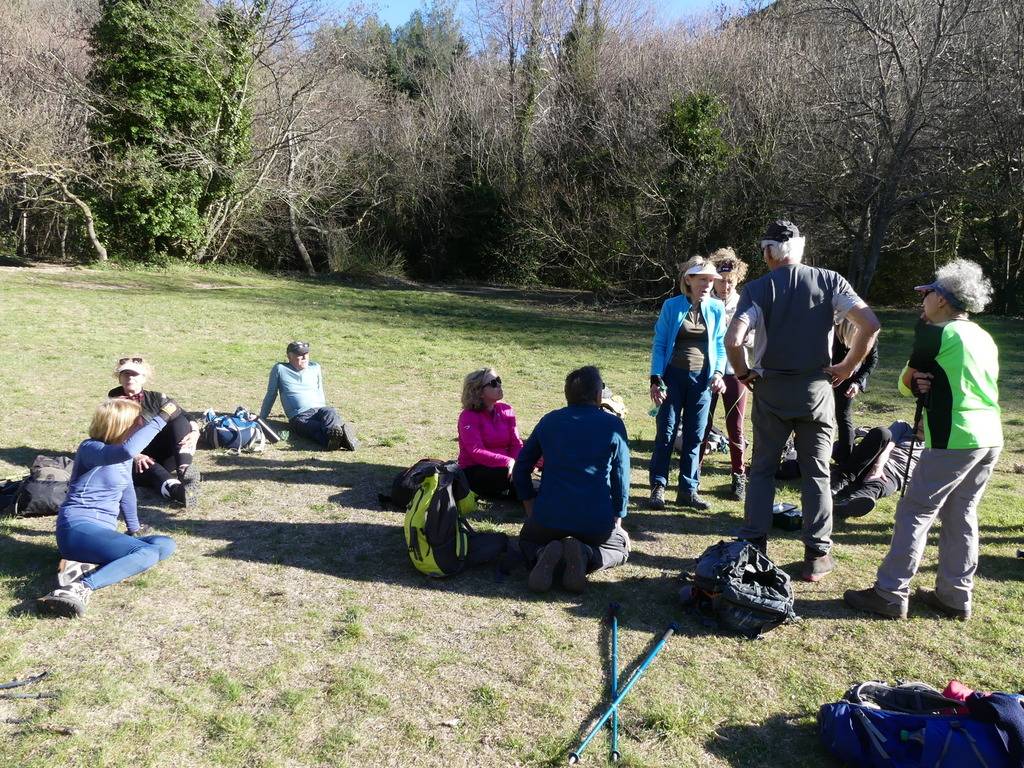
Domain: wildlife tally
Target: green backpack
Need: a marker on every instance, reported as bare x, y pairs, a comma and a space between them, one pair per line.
437, 534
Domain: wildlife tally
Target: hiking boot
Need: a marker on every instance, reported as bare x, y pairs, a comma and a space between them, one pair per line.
692, 500
544, 571
739, 486
70, 571
70, 601
760, 544
335, 438
858, 506
348, 440
190, 479
869, 601
657, 500
933, 601
816, 566
574, 577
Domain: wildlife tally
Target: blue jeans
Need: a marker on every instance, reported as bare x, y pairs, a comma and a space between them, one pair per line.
119, 555
688, 394
316, 423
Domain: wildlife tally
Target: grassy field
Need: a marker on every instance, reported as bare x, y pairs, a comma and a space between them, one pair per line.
290, 629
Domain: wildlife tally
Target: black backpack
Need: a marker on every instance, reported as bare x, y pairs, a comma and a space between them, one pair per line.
739, 587
43, 491
408, 481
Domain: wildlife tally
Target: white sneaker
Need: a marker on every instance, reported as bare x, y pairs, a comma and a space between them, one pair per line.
70, 601
70, 571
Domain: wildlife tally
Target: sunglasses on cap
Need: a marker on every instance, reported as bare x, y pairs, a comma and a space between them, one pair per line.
495, 382
124, 360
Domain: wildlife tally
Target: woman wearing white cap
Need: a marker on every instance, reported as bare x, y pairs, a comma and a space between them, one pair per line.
687, 363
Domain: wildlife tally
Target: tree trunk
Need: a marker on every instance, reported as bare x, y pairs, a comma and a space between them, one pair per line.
293, 218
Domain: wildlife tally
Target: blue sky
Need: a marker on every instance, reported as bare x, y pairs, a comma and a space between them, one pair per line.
396, 12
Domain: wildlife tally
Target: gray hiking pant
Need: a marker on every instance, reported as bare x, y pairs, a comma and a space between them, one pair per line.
802, 405
947, 484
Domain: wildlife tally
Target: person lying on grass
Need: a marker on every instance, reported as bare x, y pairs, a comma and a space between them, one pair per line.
101, 488
574, 521
300, 382
166, 465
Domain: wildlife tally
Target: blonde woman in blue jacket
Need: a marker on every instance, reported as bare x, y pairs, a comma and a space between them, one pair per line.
687, 362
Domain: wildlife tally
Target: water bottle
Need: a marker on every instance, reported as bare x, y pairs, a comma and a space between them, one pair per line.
653, 413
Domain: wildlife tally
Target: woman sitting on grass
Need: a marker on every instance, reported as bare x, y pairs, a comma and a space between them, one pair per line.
101, 488
489, 441
166, 464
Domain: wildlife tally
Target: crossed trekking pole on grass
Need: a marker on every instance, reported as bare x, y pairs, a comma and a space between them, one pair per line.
615, 694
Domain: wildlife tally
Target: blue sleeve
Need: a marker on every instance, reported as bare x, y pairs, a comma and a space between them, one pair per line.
745, 301
620, 471
129, 508
115, 453
528, 457
720, 340
271, 396
659, 347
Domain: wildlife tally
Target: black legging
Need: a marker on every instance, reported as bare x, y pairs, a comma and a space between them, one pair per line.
490, 481
165, 450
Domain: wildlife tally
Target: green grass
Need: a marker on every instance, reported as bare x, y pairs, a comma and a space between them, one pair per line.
289, 629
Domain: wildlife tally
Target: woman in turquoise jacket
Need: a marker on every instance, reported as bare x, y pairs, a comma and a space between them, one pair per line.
687, 361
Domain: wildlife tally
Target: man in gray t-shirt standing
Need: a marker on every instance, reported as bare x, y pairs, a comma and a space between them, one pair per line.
793, 310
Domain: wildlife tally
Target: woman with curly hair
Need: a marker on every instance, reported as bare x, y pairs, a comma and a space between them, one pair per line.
954, 370
731, 272
687, 364
489, 441
100, 490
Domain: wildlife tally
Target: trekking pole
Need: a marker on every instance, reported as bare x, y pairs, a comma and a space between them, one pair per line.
613, 617
918, 415
574, 756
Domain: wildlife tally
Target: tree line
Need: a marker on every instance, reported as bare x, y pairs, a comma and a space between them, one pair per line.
566, 142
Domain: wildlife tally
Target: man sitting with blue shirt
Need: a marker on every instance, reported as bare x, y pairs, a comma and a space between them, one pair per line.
300, 383
574, 522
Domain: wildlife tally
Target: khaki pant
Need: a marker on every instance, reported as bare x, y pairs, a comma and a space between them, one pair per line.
801, 405
947, 484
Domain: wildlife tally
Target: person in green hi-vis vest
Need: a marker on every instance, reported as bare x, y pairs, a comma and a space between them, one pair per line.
954, 367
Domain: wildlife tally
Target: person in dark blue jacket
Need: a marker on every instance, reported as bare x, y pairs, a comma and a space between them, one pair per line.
574, 521
100, 489
687, 365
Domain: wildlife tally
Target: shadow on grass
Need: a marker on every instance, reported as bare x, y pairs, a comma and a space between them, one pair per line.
28, 567
784, 739
24, 455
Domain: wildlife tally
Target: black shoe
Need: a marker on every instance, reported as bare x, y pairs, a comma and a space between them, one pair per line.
691, 500
176, 493
657, 500
544, 570
760, 544
933, 601
190, 479
739, 486
574, 576
335, 438
869, 601
348, 440
858, 506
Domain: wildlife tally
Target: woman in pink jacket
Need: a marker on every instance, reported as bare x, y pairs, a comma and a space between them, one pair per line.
489, 441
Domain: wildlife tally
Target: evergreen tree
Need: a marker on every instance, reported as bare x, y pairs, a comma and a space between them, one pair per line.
169, 119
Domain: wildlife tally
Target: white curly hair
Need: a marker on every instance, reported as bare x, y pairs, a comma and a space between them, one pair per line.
965, 280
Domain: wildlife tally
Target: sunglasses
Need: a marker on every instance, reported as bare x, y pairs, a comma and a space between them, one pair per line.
124, 360
495, 382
